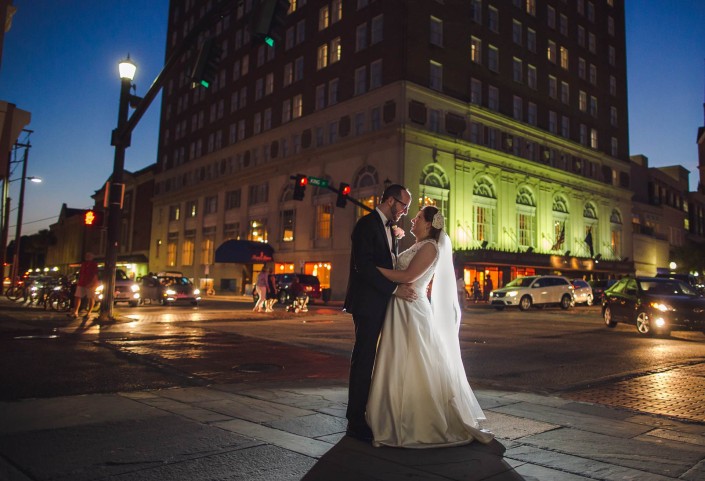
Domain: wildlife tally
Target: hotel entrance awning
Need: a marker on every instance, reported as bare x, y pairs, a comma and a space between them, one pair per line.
244, 252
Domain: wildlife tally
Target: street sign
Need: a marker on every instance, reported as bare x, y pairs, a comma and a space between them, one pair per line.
317, 181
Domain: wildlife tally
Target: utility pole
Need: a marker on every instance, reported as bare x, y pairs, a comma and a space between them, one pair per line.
20, 209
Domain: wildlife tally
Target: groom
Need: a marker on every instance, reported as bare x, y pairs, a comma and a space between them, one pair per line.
369, 292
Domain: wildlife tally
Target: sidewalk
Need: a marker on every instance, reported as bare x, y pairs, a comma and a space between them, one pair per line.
295, 430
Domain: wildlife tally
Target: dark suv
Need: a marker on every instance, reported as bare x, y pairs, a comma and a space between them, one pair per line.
311, 285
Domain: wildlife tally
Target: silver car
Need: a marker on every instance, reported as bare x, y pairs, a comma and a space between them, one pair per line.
582, 292
525, 292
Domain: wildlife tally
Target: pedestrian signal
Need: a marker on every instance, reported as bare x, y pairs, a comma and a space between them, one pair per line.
93, 218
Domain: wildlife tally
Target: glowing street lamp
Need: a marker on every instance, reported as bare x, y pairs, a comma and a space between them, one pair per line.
121, 141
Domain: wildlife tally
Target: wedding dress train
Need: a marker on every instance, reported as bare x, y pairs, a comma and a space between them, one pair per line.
420, 396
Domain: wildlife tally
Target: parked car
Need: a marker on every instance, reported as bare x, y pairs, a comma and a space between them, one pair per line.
654, 305
168, 288
582, 292
126, 290
533, 290
598, 288
311, 285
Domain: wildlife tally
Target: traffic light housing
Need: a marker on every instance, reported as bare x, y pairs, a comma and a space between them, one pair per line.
206, 68
93, 218
300, 186
343, 192
267, 17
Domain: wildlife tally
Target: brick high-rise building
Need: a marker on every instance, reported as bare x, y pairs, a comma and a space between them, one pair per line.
509, 115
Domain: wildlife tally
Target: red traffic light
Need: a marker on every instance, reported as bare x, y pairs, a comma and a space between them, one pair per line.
300, 186
343, 192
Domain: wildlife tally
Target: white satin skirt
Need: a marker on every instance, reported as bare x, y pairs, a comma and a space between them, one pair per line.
420, 396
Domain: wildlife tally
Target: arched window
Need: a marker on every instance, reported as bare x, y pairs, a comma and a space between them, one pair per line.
484, 212
434, 188
367, 189
287, 193
560, 216
525, 218
616, 233
591, 239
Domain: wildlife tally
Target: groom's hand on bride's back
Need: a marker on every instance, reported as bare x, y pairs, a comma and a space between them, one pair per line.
406, 292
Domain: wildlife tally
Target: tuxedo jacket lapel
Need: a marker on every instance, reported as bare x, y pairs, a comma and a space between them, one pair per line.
392, 248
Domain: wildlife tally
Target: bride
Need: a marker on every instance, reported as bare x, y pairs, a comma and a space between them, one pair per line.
420, 396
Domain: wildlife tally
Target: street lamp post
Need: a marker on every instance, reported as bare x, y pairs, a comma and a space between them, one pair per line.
121, 141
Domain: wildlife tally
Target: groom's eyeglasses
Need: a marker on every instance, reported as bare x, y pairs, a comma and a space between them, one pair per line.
405, 206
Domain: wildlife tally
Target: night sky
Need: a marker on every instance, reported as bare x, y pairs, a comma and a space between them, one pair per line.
60, 63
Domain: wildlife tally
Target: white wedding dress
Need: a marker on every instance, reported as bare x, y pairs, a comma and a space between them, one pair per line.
420, 396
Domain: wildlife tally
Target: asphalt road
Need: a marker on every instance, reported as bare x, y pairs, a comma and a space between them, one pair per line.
569, 353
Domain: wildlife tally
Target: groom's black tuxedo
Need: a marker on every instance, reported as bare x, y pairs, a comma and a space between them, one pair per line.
367, 298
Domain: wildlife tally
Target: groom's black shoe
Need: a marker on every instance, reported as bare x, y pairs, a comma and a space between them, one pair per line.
361, 432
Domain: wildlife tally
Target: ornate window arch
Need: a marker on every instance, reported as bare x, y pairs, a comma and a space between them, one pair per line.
287, 193
484, 211
434, 186
367, 188
590, 211
525, 218
484, 187
366, 177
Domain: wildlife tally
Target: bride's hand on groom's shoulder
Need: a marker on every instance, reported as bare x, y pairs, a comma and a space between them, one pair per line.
406, 292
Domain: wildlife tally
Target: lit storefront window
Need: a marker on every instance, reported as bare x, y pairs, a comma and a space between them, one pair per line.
320, 270
283, 267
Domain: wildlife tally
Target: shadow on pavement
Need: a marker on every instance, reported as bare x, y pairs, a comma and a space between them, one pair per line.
353, 460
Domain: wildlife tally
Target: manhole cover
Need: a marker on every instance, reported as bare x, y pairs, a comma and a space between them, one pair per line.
258, 367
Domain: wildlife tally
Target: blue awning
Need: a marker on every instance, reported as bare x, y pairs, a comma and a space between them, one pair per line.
244, 252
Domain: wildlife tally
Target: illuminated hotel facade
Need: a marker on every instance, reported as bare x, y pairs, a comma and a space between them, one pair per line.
511, 116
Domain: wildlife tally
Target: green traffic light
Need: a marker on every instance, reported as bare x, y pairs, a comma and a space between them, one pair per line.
269, 41
205, 83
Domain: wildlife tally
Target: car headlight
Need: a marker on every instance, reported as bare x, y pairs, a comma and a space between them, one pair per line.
512, 294
135, 287
196, 292
170, 292
662, 307
99, 289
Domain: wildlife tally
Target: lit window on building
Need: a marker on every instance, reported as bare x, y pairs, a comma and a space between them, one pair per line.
287, 225
324, 218
257, 230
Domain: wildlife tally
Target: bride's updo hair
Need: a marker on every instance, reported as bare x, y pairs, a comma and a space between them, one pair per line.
429, 212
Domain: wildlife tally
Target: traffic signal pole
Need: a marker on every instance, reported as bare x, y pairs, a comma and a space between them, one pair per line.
121, 139
324, 183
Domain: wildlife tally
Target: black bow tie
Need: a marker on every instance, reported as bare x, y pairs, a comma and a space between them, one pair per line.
389, 223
